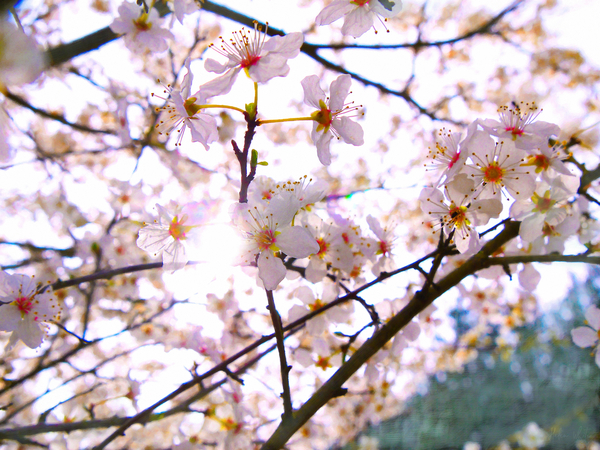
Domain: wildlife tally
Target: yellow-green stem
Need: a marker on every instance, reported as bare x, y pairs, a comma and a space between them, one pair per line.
291, 119
222, 106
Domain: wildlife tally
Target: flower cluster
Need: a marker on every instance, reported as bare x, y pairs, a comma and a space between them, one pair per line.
508, 159
279, 221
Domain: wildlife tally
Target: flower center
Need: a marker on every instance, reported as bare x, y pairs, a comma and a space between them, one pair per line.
458, 216
384, 248
543, 204
190, 106
323, 117
454, 159
360, 2
316, 305
540, 162
141, 23
24, 304
177, 229
323, 247
266, 238
493, 173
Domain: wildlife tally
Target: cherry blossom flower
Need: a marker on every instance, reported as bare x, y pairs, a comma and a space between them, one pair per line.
385, 243
182, 7
358, 15
23, 309
588, 336
544, 207
260, 58
549, 162
142, 29
519, 125
268, 230
184, 111
333, 252
168, 235
461, 214
532, 436
497, 166
450, 153
330, 119
318, 324
21, 60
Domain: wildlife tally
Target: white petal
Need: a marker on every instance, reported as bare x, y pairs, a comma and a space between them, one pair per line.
312, 91
350, 131
584, 336
334, 11
270, 269
297, 242
592, 315
338, 91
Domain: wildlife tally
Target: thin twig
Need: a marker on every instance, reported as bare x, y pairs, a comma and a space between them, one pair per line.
285, 369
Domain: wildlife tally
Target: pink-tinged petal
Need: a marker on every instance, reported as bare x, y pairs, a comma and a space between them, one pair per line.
296, 312
322, 142
30, 333
529, 278
338, 91
203, 128
174, 257
312, 91
153, 239
543, 129
432, 201
592, 315
270, 269
219, 86
358, 22
212, 65
349, 131
521, 188
598, 357
411, 331
297, 242
481, 145
268, 67
287, 46
584, 336
334, 11
531, 227
10, 316
186, 83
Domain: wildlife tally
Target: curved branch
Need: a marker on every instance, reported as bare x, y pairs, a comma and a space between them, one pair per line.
420, 301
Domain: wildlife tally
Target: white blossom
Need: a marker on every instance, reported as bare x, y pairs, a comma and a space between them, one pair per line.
590, 335
260, 58
519, 125
358, 15
331, 118
183, 111
168, 235
142, 30
23, 309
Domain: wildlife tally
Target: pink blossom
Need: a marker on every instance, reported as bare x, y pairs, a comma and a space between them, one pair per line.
260, 58
588, 336
168, 235
358, 15
142, 29
268, 230
23, 309
519, 125
331, 118
184, 110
